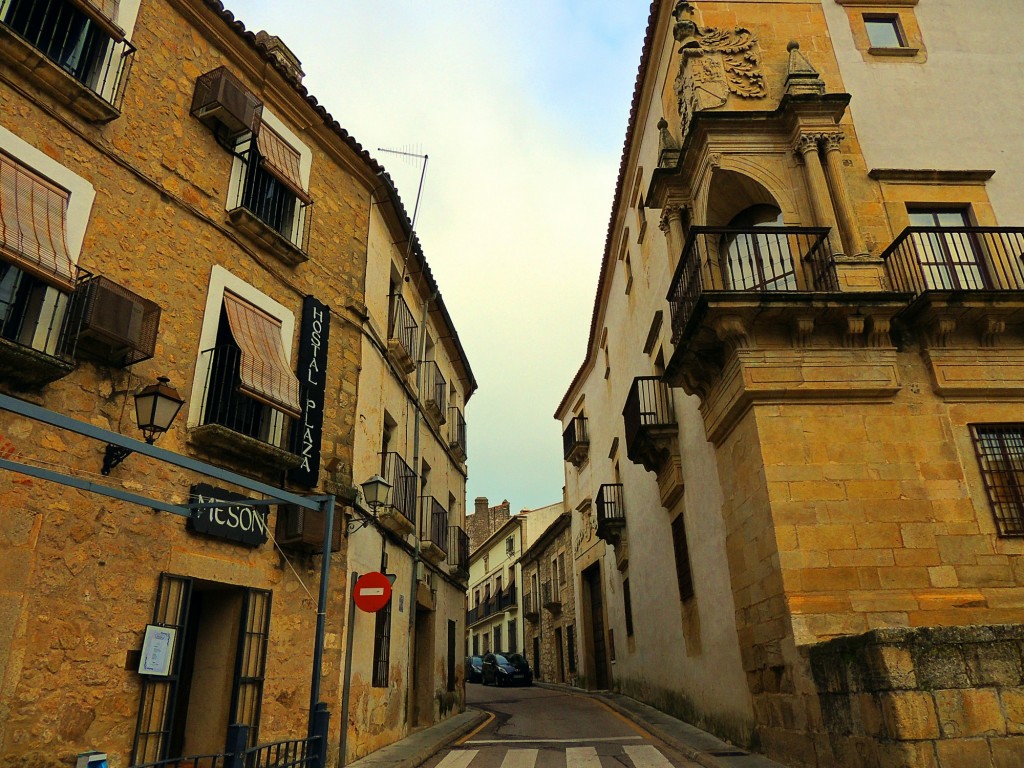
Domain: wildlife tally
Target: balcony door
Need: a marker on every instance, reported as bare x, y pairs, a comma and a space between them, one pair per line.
948, 260
757, 262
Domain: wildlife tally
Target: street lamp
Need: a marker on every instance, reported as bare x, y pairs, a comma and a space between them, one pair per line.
375, 494
156, 407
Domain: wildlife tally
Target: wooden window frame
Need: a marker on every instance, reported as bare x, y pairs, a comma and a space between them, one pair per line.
1002, 472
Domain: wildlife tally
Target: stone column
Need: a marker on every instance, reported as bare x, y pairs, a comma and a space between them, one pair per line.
852, 238
807, 146
672, 225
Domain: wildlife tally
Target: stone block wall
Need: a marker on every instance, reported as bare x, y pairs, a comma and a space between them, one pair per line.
923, 697
485, 520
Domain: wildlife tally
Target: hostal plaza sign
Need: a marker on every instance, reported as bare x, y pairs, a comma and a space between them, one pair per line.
307, 432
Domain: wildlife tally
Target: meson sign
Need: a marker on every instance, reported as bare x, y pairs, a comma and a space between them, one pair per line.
229, 520
307, 432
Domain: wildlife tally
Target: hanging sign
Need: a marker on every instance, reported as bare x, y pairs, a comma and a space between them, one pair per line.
229, 519
306, 435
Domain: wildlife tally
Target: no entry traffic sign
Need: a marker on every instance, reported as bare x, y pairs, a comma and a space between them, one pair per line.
372, 591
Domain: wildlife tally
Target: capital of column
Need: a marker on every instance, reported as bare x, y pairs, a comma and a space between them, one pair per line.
670, 214
831, 141
807, 143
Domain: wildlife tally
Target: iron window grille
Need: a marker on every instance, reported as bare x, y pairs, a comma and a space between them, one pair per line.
1000, 451
270, 199
382, 647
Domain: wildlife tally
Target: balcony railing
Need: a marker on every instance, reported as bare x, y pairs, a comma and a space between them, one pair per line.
276, 216
496, 603
552, 595
530, 605
435, 389
401, 325
458, 549
37, 332
756, 260
89, 48
956, 259
434, 523
649, 408
457, 431
507, 598
222, 403
611, 511
403, 485
576, 440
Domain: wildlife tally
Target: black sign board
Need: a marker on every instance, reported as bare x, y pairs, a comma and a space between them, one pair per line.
306, 434
228, 520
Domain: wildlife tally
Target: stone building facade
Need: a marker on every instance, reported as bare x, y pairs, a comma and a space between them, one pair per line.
174, 203
484, 520
549, 604
803, 387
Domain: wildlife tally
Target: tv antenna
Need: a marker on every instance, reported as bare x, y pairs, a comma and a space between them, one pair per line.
411, 157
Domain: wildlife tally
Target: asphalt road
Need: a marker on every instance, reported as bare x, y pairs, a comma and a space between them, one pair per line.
534, 727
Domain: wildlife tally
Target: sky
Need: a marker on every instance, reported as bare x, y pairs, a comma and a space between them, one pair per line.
522, 110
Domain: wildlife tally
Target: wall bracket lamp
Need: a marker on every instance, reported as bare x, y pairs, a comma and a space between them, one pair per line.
156, 407
375, 493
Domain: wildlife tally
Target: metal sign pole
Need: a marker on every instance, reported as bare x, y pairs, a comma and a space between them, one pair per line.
346, 691
327, 505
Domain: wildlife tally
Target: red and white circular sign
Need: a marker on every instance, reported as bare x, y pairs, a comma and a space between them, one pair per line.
372, 591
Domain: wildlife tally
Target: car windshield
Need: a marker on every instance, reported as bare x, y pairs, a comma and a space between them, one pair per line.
517, 659
474, 659
499, 659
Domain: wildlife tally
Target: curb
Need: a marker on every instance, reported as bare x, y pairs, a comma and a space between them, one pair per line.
408, 756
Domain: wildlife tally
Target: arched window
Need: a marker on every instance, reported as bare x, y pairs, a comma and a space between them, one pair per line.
754, 261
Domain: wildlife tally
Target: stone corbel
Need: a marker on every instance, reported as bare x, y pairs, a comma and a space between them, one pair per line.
733, 331
878, 332
855, 325
942, 331
803, 330
992, 329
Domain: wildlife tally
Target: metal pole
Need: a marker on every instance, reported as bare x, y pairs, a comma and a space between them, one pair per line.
346, 687
327, 505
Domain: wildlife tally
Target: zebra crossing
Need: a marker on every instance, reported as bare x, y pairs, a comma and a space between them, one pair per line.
636, 756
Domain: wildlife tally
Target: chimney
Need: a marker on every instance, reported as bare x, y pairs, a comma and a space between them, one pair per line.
480, 505
281, 53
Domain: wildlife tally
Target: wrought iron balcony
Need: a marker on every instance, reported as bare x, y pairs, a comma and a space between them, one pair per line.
611, 512
650, 421
458, 551
765, 260
73, 49
576, 441
531, 606
403, 486
268, 211
956, 259
507, 598
402, 333
552, 596
36, 335
457, 432
434, 525
434, 391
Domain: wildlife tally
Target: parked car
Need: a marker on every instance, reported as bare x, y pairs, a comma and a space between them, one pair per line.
498, 669
474, 672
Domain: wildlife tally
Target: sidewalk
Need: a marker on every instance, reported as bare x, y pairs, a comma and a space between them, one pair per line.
695, 744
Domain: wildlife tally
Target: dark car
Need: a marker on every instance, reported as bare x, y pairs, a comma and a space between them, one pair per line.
474, 670
512, 669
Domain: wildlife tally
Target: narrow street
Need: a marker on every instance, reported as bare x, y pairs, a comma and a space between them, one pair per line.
535, 727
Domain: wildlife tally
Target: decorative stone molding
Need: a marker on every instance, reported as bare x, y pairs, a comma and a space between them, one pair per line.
806, 143
994, 328
715, 64
733, 331
878, 334
855, 325
802, 77
803, 329
668, 147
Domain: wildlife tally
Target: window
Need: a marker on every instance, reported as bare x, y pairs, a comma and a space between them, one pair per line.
682, 553
512, 640
382, 647
476, 597
476, 645
555, 580
487, 642
510, 546
561, 568
497, 638
244, 380
884, 31
497, 586
570, 639
487, 558
37, 269
81, 38
1000, 450
628, 606
451, 655
628, 271
948, 260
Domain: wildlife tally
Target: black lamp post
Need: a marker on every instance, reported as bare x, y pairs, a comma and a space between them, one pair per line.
375, 494
156, 407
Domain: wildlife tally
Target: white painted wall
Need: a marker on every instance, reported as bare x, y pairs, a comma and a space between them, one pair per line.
961, 109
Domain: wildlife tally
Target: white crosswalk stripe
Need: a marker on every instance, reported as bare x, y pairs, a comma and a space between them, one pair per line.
458, 759
646, 756
582, 757
520, 758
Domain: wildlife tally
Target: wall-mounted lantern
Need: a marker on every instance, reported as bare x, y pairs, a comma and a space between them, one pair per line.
156, 407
